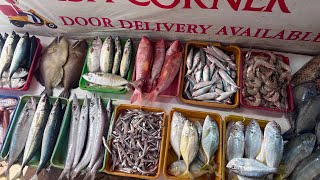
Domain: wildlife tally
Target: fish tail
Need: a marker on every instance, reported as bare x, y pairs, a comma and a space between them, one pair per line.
151, 97
65, 93
18, 175
74, 173
47, 91
65, 173
90, 176
136, 96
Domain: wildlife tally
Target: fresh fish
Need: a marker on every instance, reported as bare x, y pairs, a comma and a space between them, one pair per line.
173, 49
296, 151
274, 144
309, 168
50, 136
201, 91
105, 79
53, 58
90, 138
117, 88
211, 71
195, 62
93, 62
225, 95
177, 124
126, 58
253, 139
199, 130
206, 73
203, 56
177, 168
20, 73
35, 134
207, 96
92, 173
73, 68
210, 139
249, 167
20, 133
106, 55
189, 144
303, 93
15, 83
168, 73
142, 64
235, 142
117, 56
198, 75
220, 53
7, 52
201, 155
19, 54
227, 78
202, 84
229, 128
309, 72
190, 59
72, 140
307, 117
159, 57
32, 52
216, 62
82, 132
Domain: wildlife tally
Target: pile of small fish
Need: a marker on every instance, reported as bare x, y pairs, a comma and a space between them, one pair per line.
251, 154
265, 80
196, 144
60, 63
136, 142
211, 75
7, 106
36, 129
108, 64
17, 54
85, 149
155, 68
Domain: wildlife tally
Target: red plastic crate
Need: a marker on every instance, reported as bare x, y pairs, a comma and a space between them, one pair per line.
289, 88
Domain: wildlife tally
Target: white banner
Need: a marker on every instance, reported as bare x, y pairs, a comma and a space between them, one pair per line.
283, 25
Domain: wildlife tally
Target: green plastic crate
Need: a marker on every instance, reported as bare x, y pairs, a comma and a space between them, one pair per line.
60, 151
82, 82
6, 145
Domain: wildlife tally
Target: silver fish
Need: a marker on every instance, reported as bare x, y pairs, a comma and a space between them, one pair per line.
198, 75
177, 168
249, 167
274, 144
227, 78
126, 58
202, 84
19, 73
105, 79
118, 88
206, 73
91, 174
177, 124
229, 128
82, 132
199, 130
117, 56
106, 55
93, 62
216, 62
225, 95
235, 143
7, 52
211, 71
253, 139
220, 53
72, 142
309, 168
196, 61
190, 59
201, 91
209, 139
296, 151
207, 96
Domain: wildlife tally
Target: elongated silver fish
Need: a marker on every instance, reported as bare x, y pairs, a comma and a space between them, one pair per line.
82, 131
20, 133
235, 143
177, 124
201, 91
253, 139
309, 168
117, 56
210, 139
8, 51
105, 79
35, 134
196, 61
91, 174
126, 58
274, 144
93, 61
190, 59
106, 55
249, 167
72, 141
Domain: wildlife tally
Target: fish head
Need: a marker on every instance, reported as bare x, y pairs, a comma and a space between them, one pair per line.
145, 41
32, 103
273, 128
239, 125
128, 43
177, 168
253, 124
109, 39
160, 43
311, 139
236, 165
97, 41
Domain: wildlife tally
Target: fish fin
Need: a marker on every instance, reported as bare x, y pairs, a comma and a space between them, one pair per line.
18, 175
65, 93
135, 84
151, 97
47, 91
136, 96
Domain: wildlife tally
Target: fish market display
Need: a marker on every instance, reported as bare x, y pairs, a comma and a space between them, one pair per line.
87, 123
16, 56
155, 70
197, 144
136, 142
253, 154
309, 168
265, 80
53, 58
211, 75
73, 68
7, 107
108, 60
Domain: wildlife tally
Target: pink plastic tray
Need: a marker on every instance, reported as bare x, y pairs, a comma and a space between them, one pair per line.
31, 71
289, 88
173, 89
